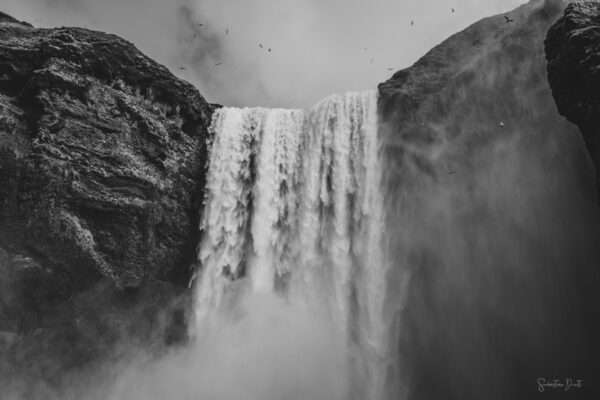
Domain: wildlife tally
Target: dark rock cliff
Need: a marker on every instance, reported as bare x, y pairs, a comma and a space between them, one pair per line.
496, 191
102, 155
573, 53
102, 163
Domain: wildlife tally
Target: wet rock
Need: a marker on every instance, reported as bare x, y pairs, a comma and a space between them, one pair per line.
573, 53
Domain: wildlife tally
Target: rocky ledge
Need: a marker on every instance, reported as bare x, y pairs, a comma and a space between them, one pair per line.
573, 53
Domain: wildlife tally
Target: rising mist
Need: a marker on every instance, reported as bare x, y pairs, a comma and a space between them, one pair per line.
492, 227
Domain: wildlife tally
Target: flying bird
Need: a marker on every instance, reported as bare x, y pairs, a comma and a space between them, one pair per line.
200, 25
390, 69
412, 23
182, 68
227, 31
261, 46
269, 50
501, 124
452, 9
449, 171
508, 20
218, 63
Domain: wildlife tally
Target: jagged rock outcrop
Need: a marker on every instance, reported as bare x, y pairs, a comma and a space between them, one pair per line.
102, 163
573, 53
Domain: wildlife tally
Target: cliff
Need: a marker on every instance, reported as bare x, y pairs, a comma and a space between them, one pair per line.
102, 163
103, 155
496, 191
494, 71
573, 53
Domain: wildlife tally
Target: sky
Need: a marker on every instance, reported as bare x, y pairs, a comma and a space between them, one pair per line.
318, 47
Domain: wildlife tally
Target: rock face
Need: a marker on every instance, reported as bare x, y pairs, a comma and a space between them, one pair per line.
573, 53
493, 208
102, 163
102, 155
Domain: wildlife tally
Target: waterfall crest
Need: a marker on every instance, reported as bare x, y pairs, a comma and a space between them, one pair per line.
294, 209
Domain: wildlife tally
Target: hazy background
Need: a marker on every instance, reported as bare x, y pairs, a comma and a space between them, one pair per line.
318, 46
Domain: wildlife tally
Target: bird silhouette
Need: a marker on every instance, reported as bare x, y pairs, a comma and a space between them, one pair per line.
508, 20
200, 25
390, 69
269, 50
412, 23
218, 63
501, 124
260, 45
227, 31
182, 68
452, 9
449, 171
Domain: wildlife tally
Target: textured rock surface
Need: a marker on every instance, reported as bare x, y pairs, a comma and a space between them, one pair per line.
102, 155
501, 218
573, 53
102, 162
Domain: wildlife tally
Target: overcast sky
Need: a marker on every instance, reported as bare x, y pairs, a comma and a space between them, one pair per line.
318, 47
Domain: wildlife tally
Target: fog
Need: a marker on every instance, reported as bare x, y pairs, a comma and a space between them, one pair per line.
318, 47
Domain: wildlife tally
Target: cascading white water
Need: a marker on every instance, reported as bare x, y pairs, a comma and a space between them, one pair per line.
294, 209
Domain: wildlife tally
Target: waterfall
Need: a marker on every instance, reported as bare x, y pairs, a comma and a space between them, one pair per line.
294, 210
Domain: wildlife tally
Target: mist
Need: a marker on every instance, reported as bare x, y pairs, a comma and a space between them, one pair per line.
495, 229
257, 347
318, 47
500, 262
492, 230
263, 349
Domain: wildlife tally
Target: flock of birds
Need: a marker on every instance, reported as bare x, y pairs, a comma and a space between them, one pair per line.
260, 45
227, 34
412, 23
